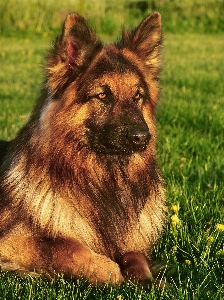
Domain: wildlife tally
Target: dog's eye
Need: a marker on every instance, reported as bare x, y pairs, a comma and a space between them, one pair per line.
101, 96
138, 97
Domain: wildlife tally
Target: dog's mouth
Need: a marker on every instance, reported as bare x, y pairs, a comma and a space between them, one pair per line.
122, 140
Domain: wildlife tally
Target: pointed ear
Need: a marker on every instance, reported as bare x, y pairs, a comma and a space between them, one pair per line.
72, 51
145, 40
78, 40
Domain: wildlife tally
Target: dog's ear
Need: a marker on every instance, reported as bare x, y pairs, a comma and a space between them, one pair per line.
145, 40
79, 41
72, 51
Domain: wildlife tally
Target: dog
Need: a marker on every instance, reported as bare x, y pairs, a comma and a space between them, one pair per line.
80, 190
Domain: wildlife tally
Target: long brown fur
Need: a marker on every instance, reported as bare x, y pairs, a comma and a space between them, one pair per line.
80, 190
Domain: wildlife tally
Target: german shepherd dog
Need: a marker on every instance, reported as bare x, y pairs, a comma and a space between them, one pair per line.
80, 190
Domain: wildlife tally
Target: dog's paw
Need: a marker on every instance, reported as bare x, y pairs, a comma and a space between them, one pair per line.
134, 266
101, 269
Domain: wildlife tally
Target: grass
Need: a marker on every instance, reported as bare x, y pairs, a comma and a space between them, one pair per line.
190, 153
20, 78
191, 140
107, 16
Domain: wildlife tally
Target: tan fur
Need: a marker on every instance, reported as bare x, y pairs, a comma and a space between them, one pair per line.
80, 191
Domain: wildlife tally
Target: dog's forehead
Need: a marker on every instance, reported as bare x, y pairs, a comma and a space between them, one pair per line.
112, 59
113, 69
117, 82
121, 85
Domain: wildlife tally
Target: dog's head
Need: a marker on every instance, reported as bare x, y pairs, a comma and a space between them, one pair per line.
117, 124
111, 91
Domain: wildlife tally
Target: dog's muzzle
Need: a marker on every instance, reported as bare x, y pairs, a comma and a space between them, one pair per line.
128, 139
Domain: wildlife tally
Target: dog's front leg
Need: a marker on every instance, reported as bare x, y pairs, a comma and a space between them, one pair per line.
74, 259
49, 256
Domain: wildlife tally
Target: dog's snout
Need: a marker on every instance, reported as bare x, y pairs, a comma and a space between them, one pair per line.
139, 137
113, 139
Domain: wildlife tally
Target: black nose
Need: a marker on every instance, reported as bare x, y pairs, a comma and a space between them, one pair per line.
139, 137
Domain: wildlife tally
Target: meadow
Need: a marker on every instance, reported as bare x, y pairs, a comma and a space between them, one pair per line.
190, 122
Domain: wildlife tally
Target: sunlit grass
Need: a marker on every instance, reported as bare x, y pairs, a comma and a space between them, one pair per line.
107, 16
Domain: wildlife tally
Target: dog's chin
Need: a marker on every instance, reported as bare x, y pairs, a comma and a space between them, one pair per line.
117, 150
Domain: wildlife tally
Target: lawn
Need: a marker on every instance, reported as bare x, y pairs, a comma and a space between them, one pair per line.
190, 153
